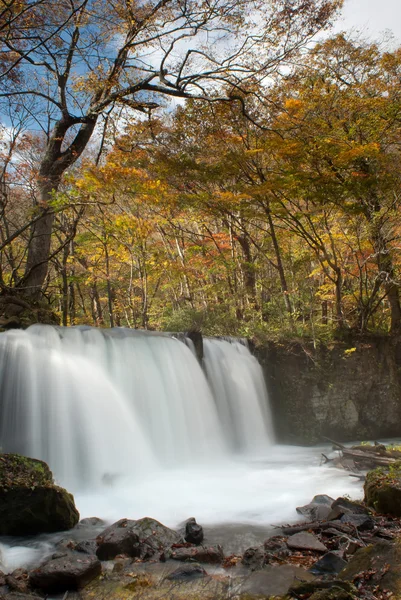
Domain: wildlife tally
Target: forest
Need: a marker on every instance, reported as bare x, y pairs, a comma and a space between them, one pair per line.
232, 167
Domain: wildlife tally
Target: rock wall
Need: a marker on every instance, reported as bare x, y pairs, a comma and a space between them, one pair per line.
344, 391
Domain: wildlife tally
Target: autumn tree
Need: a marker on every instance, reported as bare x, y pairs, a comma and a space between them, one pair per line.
81, 58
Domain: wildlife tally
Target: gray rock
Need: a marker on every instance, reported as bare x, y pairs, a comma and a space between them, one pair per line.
305, 541
90, 522
187, 573
329, 564
254, 558
349, 506
361, 522
62, 574
211, 555
317, 509
193, 532
87, 547
143, 538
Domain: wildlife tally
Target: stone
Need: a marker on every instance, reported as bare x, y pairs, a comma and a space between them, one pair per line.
142, 539
18, 581
90, 522
275, 547
382, 561
360, 522
119, 538
212, 555
329, 564
69, 573
87, 547
30, 503
318, 509
254, 558
273, 581
193, 532
350, 506
383, 491
305, 541
187, 573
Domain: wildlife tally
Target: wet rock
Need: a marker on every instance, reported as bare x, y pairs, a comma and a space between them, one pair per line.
90, 522
275, 547
383, 563
383, 491
87, 547
273, 581
360, 522
119, 538
334, 593
305, 541
142, 538
318, 509
350, 506
193, 532
18, 581
329, 564
30, 503
187, 573
18, 596
212, 555
254, 558
69, 573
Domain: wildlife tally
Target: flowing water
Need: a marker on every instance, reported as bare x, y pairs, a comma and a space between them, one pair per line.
132, 425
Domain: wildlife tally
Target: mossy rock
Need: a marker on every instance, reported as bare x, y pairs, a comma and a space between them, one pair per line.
383, 563
30, 503
383, 490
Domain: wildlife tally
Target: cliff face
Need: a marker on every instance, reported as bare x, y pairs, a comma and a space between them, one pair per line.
342, 391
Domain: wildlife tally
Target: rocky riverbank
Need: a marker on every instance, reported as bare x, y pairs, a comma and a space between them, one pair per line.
341, 550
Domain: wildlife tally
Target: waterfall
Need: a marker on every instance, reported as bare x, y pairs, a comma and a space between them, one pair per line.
98, 404
237, 382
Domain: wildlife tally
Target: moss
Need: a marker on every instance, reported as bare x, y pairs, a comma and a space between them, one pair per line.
30, 503
383, 490
17, 470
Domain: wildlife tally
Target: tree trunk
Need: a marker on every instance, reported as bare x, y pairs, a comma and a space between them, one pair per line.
277, 251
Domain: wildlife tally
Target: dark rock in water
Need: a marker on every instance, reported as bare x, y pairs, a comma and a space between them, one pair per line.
350, 506
272, 581
383, 491
329, 564
193, 532
30, 503
18, 581
69, 573
212, 555
18, 596
361, 522
119, 538
90, 522
186, 573
305, 541
142, 538
87, 547
318, 509
275, 547
254, 558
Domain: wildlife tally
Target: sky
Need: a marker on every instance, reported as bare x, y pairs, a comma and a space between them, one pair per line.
373, 17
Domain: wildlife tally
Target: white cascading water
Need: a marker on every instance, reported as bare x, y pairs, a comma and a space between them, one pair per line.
236, 379
129, 423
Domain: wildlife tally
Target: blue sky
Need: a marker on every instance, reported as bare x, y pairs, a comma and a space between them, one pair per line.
372, 17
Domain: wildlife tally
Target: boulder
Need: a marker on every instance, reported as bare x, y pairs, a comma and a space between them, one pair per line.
90, 522
383, 491
350, 506
329, 564
305, 541
193, 532
187, 573
30, 503
72, 572
142, 538
360, 522
212, 555
275, 547
318, 509
254, 558
380, 563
